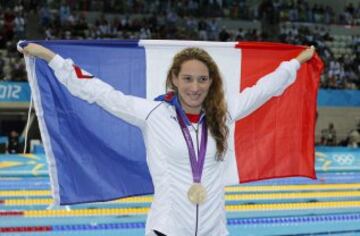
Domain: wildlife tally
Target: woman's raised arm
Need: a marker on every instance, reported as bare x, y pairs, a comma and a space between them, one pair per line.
37, 50
272, 84
131, 109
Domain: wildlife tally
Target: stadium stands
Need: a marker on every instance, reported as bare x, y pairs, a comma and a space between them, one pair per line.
332, 27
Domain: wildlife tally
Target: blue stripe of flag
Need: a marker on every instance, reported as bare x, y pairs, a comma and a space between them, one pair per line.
98, 156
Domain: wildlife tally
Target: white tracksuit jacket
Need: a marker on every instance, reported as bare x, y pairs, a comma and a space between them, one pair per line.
166, 151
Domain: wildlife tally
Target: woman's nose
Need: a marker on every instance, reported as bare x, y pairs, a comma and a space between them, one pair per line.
194, 86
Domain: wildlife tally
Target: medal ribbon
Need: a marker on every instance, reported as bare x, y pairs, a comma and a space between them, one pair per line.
196, 165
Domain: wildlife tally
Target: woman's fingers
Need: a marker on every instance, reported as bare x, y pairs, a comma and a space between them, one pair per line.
24, 47
306, 54
20, 46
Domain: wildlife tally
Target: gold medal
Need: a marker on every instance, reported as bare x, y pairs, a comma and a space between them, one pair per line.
197, 193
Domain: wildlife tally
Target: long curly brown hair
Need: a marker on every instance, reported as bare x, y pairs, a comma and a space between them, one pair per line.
214, 104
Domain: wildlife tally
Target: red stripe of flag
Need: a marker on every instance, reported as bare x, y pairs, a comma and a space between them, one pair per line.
277, 140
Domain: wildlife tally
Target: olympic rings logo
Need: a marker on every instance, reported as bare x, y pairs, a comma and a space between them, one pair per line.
344, 159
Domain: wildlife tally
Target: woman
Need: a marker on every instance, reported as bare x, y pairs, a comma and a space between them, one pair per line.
185, 133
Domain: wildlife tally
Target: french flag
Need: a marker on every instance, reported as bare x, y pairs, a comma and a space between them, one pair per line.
94, 156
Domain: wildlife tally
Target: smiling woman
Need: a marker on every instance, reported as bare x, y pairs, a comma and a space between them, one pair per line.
193, 75
183, 153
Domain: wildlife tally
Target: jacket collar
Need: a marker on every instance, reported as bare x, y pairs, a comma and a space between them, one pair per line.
172, 99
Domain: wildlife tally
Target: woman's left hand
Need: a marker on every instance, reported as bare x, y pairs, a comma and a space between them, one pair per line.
306, 55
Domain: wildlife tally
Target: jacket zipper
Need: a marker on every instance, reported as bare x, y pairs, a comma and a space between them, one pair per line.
197, 219
197, 205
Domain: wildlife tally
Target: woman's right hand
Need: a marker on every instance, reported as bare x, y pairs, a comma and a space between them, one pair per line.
306, 55
37, 50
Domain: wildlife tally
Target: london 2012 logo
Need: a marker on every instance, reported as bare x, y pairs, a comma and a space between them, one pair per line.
10, 91
343, 159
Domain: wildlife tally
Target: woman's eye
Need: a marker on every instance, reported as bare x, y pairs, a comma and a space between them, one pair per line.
203, 79
187, 78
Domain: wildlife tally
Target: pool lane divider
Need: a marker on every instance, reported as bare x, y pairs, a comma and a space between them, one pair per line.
231, 222
144, 210
27, 229
229, 197
302, 187
230, 189
13, 193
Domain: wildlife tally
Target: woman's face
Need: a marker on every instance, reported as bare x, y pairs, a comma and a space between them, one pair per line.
193, 83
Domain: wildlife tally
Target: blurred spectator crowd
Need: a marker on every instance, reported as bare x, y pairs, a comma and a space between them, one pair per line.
329, 138
12, 27
163, 19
